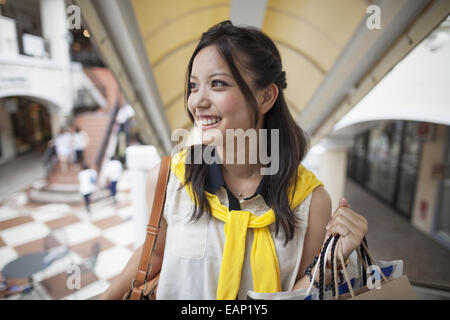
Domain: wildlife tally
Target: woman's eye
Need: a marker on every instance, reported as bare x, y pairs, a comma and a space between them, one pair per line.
192, 85
218, 83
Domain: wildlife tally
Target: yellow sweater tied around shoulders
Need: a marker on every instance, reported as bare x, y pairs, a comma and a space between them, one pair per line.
264, 262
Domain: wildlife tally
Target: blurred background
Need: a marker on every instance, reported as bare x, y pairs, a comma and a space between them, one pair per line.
369, 82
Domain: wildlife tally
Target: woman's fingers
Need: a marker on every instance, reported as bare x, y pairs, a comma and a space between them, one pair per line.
351, 226
339, 228
342, 219
344, 203
350, 215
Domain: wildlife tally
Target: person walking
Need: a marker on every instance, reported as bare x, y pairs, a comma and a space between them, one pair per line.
80, 142
87, 179
113, 170
63, 146
123, 118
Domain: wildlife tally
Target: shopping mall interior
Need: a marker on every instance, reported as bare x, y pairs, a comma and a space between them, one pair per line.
367, 81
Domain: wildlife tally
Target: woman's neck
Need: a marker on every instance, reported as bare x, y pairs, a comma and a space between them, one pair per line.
237, 169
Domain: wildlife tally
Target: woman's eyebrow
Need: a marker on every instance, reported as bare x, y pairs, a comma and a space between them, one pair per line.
214, 74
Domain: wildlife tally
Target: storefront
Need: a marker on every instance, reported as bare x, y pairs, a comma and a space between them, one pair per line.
441, 227
29, 123
385, 160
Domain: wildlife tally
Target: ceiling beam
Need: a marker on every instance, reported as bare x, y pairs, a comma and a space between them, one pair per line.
248, 12
113, 26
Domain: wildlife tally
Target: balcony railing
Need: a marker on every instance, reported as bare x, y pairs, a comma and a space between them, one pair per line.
12, 44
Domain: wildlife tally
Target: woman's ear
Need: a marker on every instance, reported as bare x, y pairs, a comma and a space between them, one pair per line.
267, 98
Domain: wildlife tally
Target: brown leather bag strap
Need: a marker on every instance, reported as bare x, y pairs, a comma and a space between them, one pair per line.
152, 227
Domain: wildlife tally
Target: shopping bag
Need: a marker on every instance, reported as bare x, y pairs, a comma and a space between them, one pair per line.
395, 285
310, 293
390, 286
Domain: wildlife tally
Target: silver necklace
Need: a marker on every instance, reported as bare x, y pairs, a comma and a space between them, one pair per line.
246, 184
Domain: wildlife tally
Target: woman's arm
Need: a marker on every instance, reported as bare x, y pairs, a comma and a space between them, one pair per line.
351, 227
123, 282
319, 216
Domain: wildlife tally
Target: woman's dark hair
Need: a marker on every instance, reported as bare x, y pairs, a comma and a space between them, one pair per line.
257, 54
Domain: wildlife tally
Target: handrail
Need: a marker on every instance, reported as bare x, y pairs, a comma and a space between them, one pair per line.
430, 285
112, 120
93, 77
49, 159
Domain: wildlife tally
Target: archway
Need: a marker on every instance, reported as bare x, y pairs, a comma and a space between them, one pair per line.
27, 125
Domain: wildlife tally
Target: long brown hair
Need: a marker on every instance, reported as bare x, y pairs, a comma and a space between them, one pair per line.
260, 57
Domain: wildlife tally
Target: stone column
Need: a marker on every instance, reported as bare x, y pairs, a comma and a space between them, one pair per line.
53, 23
333, 168
139, 160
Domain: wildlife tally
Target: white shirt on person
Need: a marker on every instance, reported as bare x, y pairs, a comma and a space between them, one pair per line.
63, 144
80, 140
113, 170
125, 113
87, 181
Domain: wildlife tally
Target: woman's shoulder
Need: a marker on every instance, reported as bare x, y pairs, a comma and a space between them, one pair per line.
321, 194
320, 207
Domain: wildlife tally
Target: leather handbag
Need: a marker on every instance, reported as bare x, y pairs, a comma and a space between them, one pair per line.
141, 289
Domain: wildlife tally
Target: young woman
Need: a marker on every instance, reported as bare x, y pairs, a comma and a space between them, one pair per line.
206, 249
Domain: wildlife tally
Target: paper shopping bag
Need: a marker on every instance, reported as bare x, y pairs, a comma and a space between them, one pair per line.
398, 288
395, 289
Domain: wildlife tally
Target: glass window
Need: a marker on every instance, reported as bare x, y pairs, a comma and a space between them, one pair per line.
409, 167
443, 225
383, 155
357, 158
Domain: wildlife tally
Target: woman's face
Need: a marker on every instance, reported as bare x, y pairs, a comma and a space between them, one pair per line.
216, 101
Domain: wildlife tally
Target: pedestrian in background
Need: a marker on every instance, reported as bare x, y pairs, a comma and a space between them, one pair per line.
87, 184
113, 170
123, 117
80, 142
63, 146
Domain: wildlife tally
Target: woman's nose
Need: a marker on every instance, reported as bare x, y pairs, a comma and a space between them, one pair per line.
199, 98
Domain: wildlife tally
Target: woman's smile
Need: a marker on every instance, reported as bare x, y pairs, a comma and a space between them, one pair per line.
208, 122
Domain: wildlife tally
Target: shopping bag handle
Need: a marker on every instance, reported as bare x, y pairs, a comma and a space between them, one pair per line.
344, 268
330, 244
323, 253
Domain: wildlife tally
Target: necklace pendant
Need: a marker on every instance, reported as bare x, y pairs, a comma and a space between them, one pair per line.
239, 195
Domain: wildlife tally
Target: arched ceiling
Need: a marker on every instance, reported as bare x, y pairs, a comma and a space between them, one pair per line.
310, 35
331, 57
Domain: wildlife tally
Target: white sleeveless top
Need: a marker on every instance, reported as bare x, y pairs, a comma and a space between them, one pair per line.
193, 249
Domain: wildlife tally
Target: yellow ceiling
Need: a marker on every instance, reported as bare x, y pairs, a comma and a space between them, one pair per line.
310, 35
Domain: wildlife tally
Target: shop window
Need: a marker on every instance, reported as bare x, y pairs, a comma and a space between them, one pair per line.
408, 168
383, 159
443, 222
356, 164
31, 125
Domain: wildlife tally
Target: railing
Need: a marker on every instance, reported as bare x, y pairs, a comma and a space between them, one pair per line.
430, 290
14, 44
112, 121
35, 46
49, 159
96, 81
430, 285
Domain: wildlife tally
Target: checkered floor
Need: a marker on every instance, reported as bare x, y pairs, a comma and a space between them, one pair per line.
27, 228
